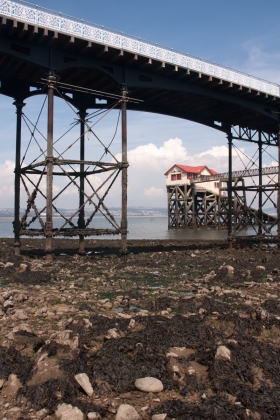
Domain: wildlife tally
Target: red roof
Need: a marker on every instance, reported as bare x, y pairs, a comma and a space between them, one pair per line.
192, 169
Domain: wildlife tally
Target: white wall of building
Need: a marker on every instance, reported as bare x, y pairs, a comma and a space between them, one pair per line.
210, 186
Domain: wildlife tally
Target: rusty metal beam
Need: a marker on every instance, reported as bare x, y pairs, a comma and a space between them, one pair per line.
19, 105
81, 220
124, 250
49, 158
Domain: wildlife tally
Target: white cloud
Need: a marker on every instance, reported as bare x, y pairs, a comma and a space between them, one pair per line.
146, 181
7, 183
154, 192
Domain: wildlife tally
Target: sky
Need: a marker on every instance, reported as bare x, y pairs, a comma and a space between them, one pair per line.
243, 35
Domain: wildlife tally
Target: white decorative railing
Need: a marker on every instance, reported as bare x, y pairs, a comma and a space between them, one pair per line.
40, 16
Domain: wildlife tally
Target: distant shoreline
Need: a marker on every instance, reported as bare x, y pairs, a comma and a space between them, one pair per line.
96, 217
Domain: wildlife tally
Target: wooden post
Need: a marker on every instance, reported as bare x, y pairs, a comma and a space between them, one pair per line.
229, 136
81, 220
124, 250
49, 162
19, 105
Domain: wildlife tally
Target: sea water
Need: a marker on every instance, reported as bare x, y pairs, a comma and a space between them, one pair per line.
138, 228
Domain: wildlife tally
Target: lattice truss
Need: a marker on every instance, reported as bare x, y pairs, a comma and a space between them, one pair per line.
176, 206
251, 196
76, 172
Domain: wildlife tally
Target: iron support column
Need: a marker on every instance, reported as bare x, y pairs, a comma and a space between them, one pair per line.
278, 189
124, 177
49, 164
19, 105
229, 136
260, 184
81, 220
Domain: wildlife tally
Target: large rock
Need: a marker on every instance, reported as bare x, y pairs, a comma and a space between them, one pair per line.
68, 412
46, 368
149, 384
127, 412
12, 385
20, 314
223, 353
83, 381
67, 337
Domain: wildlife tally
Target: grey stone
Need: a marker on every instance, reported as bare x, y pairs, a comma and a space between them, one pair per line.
2, 381
23, 327
68, 412
42, 413
127, 412
223, 353
83, 381
12, 385
112, 333
23, 267
230, 269
67, 337
21, 314
8, 304
149, 384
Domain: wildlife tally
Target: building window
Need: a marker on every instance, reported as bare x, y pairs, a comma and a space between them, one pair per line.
176, 177
216, 185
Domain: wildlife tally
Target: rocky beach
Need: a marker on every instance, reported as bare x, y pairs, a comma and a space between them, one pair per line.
180, 330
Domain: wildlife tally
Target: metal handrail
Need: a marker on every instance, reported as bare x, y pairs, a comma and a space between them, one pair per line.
270, 170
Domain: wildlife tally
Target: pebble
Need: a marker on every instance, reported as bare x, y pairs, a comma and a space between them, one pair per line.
223, 353
83, 381
159, 416
93, 416
127, 412
149, 384
68, 412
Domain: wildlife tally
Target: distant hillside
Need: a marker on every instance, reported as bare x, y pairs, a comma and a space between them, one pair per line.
116, 211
